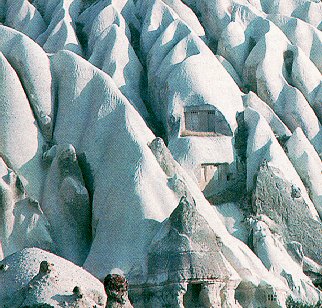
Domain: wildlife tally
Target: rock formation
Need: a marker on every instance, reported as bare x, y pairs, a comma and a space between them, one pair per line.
185, 265
170, 147
116, 288
40, 277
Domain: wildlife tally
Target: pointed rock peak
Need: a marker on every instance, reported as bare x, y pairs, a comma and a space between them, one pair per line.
187, 248
188, 222
185, 216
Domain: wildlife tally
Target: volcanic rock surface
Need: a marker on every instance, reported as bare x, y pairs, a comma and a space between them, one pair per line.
177, 143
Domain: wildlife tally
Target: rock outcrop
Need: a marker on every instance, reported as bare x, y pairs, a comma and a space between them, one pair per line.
23, 223
40, 277
116, 288
65, 188
185, 265
113, 112
307, 164
20, 51
21, 139
282, 202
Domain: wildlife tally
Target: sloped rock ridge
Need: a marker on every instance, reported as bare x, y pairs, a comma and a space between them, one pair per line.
160, 153
287, 209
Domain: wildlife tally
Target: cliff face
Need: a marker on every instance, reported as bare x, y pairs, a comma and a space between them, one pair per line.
176, 142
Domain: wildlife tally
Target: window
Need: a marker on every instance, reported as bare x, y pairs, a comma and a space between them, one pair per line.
213, 172
272, 297
199, 119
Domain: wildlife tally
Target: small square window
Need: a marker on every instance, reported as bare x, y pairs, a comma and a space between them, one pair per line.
272, 297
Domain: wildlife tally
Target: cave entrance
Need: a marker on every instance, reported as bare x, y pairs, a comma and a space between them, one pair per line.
216, 172
192, 297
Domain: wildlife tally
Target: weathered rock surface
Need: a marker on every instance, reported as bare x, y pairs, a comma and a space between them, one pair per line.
40, 277
23, 223
116, 288
185, 251
24, 17
129, 213
307, 164
268, 247
112, 111
61, 30
263, 145
124, 67
283, 203
65, 188
21, 139
34, 73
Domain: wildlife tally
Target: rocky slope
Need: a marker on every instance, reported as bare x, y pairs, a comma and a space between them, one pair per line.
175, 142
